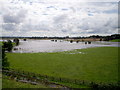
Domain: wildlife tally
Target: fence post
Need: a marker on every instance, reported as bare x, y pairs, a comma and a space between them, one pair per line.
23, 72
46, 76
60, 79
53, 78
75, 81
83, 82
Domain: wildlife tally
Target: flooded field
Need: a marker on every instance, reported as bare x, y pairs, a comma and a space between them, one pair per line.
34, 46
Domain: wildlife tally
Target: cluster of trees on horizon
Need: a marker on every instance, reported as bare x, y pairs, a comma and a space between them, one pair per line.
106, 38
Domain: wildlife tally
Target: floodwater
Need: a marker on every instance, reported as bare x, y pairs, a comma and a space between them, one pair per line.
34, 46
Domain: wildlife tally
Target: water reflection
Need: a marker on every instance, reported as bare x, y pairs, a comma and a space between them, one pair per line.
30, 46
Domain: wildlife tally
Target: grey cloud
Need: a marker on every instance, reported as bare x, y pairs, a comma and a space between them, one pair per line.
119, 22
111, 11
11, 27
84, 27
73, 9
64, 9
60, 19
18, 18
10, 19
65, 31
112, 23
42, 27
98, 26
51, 7
74, 33
30, 27
70, 22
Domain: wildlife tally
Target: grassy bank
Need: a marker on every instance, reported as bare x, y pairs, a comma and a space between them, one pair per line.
91, 64
9, 83
115, 40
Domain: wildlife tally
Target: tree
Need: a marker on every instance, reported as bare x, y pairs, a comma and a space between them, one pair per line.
16, 40
24, 39
77, 41
71, 41
5, 45
10, 46
5, 63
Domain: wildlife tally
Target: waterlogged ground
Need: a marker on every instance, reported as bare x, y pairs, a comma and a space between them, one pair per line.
31, 46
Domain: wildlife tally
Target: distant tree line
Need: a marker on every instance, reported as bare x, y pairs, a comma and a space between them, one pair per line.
105, 38
115, 36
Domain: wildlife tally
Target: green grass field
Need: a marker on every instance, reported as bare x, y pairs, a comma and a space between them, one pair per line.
115, 40
92, 64
8, 83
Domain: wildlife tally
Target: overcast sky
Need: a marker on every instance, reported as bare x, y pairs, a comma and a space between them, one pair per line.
58, 17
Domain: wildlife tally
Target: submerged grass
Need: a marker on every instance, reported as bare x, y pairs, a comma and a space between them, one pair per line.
98, 64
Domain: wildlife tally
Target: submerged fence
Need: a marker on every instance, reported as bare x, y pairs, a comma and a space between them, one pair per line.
24, 75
